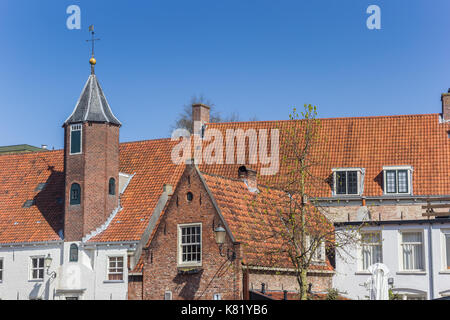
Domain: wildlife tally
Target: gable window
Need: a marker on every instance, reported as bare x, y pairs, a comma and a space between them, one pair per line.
1, 269
397, 180
75, 139
348, 181
412, 251
75, 194
115, 268
371, 249
190, 244
37, 268
112, 186
73, 253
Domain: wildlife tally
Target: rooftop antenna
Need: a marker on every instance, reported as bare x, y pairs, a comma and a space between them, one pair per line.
92, 61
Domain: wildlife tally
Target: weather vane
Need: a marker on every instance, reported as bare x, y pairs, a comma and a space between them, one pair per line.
92, 61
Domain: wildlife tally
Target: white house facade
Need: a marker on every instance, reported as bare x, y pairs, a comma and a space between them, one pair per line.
416, 252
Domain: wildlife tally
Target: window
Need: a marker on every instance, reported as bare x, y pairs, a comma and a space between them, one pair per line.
190, 244
446, 248
168, 295
189, 196
115, 268
1, 269
112, 186
319, 253
37, 268
412, 251
397, 180
348, 181
371, 249
73, 253
217, 296
75, 139
75, 194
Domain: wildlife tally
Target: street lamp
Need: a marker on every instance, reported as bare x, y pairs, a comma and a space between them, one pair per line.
219, 234
48, 262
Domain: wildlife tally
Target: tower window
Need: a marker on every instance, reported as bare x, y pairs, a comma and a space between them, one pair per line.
75, 194
112, 186
75, 139
73, 253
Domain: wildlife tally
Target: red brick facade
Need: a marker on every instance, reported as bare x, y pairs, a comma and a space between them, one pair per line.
161, 271
92, 169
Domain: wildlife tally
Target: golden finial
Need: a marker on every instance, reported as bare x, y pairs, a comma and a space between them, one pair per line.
92, 61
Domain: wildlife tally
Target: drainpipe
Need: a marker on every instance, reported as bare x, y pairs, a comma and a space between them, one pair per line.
430, 261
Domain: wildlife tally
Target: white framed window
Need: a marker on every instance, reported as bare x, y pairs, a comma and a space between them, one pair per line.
217, 296
397, 180
348, 181
412, 251
446, 249
115, 268
37, 268
371, 249
190, 244
1, 270
76, 139
168, 295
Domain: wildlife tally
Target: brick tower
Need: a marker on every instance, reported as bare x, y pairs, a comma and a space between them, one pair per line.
91, 162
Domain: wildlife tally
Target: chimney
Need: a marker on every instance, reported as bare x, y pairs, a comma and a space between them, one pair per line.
200, 116
250, 178
445, 98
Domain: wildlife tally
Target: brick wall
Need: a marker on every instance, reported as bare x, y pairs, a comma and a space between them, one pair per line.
135, 288
285, 281
217, 275
92, 169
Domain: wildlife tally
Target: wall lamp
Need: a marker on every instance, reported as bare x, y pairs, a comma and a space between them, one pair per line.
48, 262
220, 233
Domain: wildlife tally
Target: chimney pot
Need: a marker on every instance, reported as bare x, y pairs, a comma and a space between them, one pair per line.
200, 116
445, 98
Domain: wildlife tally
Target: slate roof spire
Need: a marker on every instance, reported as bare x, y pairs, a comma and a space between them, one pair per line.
92, 105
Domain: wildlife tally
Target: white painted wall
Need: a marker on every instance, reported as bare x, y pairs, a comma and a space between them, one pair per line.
87, 278
349, 278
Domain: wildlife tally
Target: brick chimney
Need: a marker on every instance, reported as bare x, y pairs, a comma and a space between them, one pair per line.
249, 176
200, 116
445, 98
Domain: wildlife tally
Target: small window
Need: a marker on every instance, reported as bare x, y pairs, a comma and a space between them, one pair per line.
73, 253
190, 244
447, 249
371, 249
1, 269
37, 268
217, 296
75, 194
112, 186
189, 196
75, 139
348, 181
115, 268
412, 251
168, 295
397, 181
316, 249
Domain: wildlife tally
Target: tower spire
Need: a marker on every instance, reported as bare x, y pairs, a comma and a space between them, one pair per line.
92, 61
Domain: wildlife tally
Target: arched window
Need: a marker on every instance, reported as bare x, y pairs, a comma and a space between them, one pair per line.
75, 194
73, 253
112, 186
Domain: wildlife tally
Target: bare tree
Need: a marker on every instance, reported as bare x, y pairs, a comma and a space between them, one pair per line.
295, 224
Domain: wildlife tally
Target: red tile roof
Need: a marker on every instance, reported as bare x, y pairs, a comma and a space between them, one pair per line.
420, 141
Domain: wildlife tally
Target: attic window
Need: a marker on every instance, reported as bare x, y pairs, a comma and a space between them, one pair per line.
348, 181
189, 196
28, 204
397, 179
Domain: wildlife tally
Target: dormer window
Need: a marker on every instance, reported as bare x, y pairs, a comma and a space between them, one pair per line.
397, 180
75, 139
348, 181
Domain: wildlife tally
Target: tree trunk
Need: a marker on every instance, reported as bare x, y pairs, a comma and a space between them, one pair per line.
303, 282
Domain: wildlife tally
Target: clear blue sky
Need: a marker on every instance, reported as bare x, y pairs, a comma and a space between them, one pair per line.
256, 58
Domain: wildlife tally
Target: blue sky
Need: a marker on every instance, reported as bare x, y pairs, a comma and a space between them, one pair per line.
255, 58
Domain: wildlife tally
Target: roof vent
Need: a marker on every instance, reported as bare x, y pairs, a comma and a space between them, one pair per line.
28, 204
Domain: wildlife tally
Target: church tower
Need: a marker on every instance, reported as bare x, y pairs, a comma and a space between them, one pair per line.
91, 161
